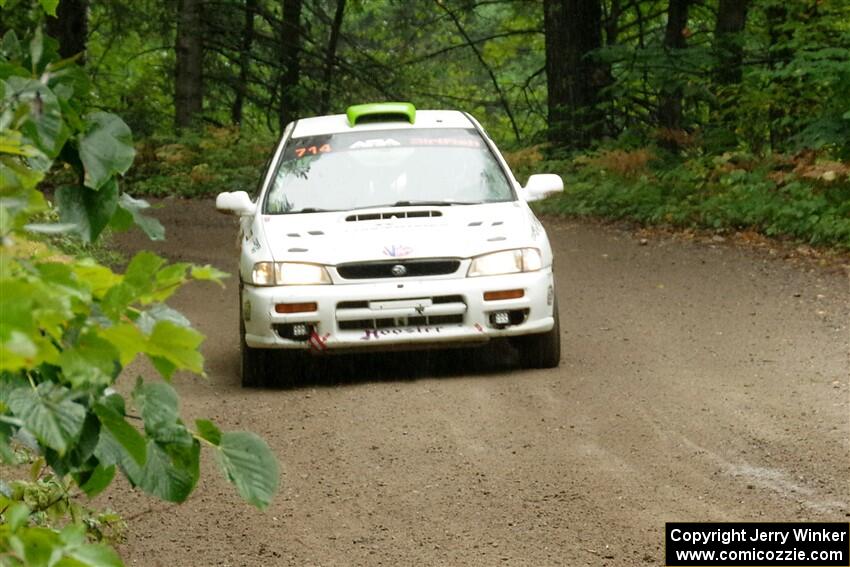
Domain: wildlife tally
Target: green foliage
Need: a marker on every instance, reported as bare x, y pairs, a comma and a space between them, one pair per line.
775, 197
199, 163
71, 325
22, 545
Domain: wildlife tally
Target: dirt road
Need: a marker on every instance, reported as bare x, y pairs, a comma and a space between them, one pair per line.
703, 383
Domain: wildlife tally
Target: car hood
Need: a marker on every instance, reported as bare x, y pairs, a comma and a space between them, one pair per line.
459, 231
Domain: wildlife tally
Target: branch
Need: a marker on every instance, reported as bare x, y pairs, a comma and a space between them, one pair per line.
439, 52
484, 64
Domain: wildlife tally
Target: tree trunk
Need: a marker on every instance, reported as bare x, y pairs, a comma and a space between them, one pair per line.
188, 79
70, 28
244, 61
731, 18
777, 17
330, 56
573, 31
670, 104
290, 43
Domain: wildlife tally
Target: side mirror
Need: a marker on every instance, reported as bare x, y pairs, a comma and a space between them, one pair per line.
237, 202
542, 185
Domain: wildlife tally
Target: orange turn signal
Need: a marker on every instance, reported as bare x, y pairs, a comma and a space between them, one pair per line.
295, 307
506, 294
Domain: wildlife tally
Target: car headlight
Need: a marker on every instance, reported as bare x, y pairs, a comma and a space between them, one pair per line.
296, 273
506, 262
289, 273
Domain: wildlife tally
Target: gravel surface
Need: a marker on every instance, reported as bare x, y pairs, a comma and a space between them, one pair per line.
699, 382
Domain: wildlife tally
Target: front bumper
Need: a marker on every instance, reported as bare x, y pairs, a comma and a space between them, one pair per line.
404, 315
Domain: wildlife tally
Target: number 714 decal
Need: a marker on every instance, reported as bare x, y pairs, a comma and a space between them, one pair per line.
312, 150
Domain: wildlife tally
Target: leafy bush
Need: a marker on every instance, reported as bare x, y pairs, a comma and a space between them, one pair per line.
70, 325
779, 196
199, 163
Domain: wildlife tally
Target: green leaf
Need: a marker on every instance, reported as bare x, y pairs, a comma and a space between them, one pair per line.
50, 414
208, 273
100, 478
161, 312
38, 546
16, 175
36, 47
208, 431
73, 534
17, 515
141, 270
91, 555
125, 436
158, 403
96, 277
7, 456
122, 219
106, 150
167, 281
11, 142
250, 465
42, 124
178, 345
170, 473
94, 361
165, 367
49, 7
128, 339
89, 210
137, 282
134, 207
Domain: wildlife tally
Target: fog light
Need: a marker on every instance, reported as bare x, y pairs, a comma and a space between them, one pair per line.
300, 330
500, 318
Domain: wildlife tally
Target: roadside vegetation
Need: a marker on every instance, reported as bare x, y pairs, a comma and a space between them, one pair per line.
70, 327
718, 114
778, 196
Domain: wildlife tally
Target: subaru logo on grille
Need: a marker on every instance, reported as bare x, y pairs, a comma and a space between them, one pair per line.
399, 270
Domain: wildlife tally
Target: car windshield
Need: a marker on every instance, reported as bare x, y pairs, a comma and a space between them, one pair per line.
354, 170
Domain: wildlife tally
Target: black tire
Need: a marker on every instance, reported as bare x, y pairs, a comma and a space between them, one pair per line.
256, 362
262, 367
542, 350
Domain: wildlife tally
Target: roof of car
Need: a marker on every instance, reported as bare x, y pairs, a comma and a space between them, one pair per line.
337, 123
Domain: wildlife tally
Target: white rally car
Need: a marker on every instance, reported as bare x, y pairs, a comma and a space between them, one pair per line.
388, 228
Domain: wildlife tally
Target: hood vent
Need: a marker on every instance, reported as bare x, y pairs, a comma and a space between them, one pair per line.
387, 215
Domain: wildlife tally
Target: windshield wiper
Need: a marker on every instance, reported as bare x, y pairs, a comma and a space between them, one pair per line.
312, 210
416, 204
432, 203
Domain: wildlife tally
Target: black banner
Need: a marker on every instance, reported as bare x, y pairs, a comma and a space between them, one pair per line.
744, 544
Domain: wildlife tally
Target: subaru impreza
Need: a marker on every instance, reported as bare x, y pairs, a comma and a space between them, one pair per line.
390, 228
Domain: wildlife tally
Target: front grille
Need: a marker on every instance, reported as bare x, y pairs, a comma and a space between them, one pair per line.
389, 269
398, 313
436, 300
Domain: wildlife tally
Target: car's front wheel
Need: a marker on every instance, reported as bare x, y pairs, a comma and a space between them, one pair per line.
255, 366
542, 350
256, 363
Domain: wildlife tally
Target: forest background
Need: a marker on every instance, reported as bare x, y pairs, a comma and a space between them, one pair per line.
728, 115
732, 115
